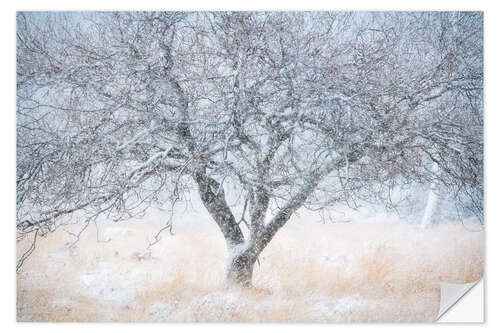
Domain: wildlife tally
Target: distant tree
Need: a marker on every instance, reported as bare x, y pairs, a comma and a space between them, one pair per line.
120, 111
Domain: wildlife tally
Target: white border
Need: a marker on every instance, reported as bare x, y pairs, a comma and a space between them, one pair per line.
7, 140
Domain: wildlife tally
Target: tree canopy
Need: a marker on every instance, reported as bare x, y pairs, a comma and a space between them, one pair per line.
120, 111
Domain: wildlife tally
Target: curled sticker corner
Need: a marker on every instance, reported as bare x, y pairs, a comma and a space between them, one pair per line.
451, 293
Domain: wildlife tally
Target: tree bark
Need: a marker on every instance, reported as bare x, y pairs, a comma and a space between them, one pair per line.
241, 259
213, 198
240, 268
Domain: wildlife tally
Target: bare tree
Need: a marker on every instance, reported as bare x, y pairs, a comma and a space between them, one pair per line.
120, 111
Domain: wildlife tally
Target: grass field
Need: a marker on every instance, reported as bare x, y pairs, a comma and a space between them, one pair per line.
311, 272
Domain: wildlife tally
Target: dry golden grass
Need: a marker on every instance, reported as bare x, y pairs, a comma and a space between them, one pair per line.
310, 272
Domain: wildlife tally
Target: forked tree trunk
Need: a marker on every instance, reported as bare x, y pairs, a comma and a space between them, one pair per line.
241, 262
244, 254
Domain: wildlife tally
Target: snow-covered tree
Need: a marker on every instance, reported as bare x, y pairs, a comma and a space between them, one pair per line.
120, 111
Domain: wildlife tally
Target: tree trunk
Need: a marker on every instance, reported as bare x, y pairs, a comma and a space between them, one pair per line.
244, 254
240, 269
242, 260
213, 198
432, 199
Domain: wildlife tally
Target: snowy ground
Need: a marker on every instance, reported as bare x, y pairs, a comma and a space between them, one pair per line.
362, 271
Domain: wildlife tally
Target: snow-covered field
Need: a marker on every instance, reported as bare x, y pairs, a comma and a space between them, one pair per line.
361, 271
